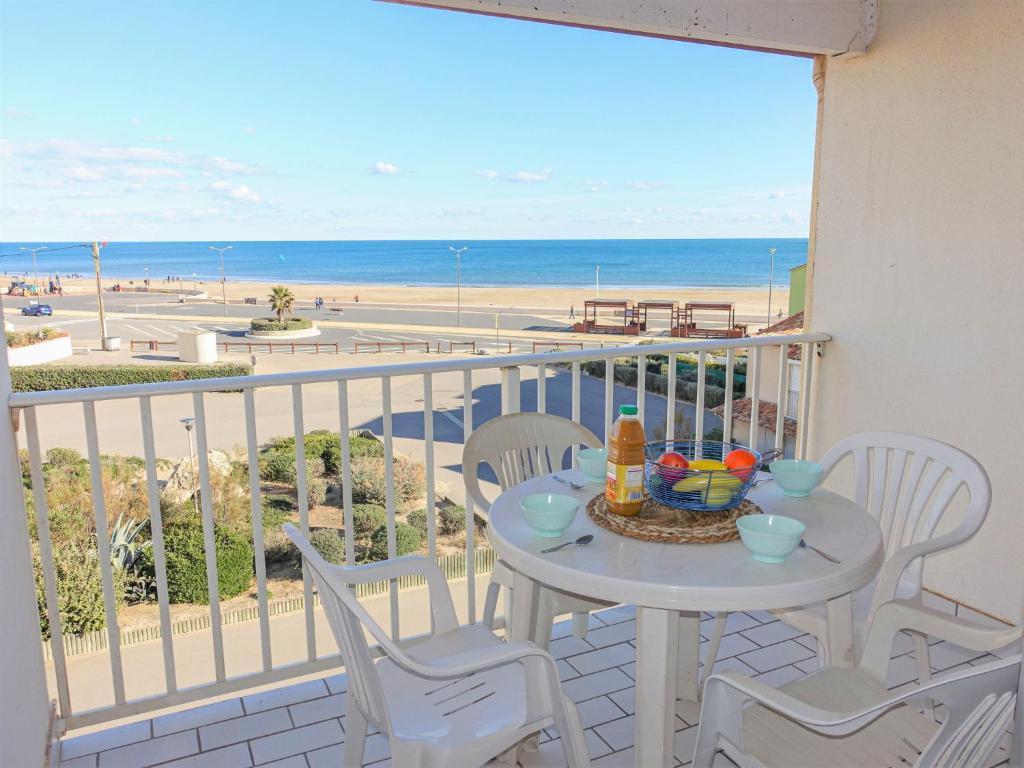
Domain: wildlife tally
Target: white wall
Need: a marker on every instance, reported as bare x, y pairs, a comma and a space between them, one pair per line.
41, 352
919, 267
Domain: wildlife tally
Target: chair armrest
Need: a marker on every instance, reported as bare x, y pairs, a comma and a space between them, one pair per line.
892, 570
468, 662
897, 615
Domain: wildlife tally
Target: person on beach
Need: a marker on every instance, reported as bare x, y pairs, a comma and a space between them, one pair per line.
572, 311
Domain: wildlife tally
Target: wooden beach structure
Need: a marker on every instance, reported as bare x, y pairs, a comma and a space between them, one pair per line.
708, 320
658, 305
595, 322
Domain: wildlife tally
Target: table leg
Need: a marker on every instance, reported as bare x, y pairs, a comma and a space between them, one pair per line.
525, 596
688, 667
657, 652
839, 615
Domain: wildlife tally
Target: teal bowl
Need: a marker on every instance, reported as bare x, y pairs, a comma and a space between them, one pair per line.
549, 514
770, 538
796, 477
594, 463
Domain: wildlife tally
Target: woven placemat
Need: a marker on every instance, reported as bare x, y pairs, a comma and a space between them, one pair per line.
666, 525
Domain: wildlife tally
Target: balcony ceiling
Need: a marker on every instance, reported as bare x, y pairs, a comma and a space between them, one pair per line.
801, 27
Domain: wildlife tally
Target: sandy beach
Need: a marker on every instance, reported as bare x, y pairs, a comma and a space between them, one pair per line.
750, 302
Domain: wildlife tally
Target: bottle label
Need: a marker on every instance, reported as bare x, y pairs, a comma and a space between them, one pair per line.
625, 484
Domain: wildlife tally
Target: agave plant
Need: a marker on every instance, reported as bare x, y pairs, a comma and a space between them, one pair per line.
124, 547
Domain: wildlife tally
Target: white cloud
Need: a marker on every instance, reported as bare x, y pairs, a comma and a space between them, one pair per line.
530, 177
239, 192
596, 186
16, 114
136, 121
165, 139
488, 173
646, 186
224, 165
453, 211
85, 173
777, 195
385, 169
248, 129
136, 172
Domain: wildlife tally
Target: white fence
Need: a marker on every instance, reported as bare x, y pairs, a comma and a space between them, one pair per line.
140, 397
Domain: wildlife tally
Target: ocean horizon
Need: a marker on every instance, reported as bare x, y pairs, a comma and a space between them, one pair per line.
640, 263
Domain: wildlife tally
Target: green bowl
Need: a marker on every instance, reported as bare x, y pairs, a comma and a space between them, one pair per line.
549, 514
594, 463
770, 538
796, 477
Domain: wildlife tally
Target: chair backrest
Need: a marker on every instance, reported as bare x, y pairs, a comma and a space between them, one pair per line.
907, 482
346, 619
519, 446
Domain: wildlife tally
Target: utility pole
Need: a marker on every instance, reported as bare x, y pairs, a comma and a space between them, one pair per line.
99, 295
223, 280
771, 279
458, 280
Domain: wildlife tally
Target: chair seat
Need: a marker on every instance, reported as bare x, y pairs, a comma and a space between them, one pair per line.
813, 618
894, 739
466, 715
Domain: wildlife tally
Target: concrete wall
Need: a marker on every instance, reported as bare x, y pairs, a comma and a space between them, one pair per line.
919, 269
43, 352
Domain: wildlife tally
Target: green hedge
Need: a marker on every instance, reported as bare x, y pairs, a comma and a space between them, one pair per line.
40, 378
186, 562
273, 324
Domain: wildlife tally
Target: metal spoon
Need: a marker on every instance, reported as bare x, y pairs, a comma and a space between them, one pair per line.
826, 555
574, 486
582, 541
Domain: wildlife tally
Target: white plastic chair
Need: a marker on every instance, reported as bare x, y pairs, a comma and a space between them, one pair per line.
462, 697
517, 447
906, 482
846, 717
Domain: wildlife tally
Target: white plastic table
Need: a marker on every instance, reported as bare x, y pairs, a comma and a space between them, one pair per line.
670, 584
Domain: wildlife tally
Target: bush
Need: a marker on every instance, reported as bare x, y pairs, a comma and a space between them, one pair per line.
329, 544
40, 378
79, 589
418, 520
367, 518
368, 484
277, 510
273, 324
359, 446
186, 562
407, 541
27, 338
451, 520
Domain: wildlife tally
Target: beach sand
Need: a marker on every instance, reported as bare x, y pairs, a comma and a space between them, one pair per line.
750, 302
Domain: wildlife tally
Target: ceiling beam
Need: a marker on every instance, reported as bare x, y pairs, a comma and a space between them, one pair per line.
801, 27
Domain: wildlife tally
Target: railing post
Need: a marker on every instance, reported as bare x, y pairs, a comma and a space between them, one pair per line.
24, 722
510, 390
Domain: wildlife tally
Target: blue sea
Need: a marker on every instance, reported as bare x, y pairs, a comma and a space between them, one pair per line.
555, 263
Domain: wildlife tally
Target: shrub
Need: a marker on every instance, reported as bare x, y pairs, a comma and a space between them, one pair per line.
329, 544
316, 489
418, 520
277, 465
40, 378
34, 336
359, 446
277, 510
451, 520
407, 541
367, 518
368, 484
186, 562
271, 324
79, 589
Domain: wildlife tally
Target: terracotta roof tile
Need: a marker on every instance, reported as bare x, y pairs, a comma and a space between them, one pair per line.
767, 414
788, 326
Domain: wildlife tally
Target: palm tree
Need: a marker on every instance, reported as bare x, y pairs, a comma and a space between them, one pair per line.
281, 300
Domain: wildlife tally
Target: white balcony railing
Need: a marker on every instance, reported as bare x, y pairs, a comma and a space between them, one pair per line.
34, 409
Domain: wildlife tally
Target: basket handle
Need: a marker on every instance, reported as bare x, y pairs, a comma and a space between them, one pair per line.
770, 456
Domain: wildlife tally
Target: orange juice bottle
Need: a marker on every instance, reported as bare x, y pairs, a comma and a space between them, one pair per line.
624, 488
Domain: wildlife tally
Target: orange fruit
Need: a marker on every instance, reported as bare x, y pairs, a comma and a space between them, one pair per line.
741, 462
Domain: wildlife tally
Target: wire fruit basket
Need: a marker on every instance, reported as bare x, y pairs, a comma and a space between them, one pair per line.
705, 483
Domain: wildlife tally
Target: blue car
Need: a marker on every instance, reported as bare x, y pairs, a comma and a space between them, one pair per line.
35, 310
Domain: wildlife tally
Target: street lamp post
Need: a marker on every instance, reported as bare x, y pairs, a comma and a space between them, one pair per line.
458, 280
35, 268
189, 422
597, 281
147, 279
771, 279
195, 284
223, 286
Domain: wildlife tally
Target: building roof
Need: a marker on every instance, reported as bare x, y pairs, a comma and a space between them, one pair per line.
768, 412
788, 326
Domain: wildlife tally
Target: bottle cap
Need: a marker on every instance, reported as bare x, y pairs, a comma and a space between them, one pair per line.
628, 410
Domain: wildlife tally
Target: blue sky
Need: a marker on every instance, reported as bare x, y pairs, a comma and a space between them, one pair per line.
364, 120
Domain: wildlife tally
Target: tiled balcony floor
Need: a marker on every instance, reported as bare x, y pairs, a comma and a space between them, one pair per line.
303, 726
